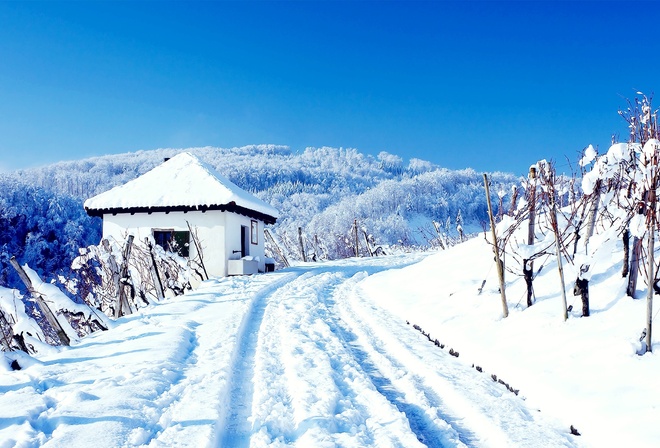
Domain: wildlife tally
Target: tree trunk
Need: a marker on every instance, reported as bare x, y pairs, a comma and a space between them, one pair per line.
528, 274
626, 253
582, 289
634, 267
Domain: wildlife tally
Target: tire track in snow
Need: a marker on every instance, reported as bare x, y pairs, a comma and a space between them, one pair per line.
419, 406
235, 428
321, 394
421, 373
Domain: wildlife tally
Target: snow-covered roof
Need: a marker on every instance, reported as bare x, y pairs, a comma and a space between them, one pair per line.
180, 183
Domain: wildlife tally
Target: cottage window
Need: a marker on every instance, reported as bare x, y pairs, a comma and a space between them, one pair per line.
173, 241
254, 232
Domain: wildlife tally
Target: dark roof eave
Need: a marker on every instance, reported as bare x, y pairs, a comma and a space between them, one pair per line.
231, 207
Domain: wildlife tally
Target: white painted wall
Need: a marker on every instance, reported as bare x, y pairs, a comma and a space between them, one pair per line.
219, 234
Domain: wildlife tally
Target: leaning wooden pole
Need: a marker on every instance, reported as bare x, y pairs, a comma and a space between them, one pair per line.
154, 269
48, 313
498, 262
122, 300
276, 247
555, 229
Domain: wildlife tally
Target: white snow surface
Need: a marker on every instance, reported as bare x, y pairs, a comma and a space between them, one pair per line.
183, 180
325, 355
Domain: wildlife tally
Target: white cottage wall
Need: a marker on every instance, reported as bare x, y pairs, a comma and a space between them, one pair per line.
210, 226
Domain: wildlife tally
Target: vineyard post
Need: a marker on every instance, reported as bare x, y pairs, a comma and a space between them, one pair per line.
528, 267
500, 270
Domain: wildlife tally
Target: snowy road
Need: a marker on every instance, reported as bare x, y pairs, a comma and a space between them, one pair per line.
301, 357
322, 365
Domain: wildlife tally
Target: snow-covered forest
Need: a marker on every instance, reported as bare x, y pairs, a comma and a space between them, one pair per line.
322, 190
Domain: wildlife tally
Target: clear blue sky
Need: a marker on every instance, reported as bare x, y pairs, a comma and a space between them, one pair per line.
489, 85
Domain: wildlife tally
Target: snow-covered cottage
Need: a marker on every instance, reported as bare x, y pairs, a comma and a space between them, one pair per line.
184, 193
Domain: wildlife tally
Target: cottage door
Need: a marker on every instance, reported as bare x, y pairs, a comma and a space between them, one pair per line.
245, 247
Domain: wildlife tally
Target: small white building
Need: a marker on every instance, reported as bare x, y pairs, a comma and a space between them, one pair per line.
184, 193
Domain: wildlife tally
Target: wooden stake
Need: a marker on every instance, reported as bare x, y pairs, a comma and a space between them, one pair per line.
555, 229
276, 247
531, 204
651, 270
649, 294
302, 245
500, 270
48, 313
122, 300
154, 266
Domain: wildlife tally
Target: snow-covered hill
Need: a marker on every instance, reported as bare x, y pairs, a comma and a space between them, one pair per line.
322, 190
326, 355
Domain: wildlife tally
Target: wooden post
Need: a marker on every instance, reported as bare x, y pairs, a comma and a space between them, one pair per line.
48, 313
555, 229
649, 293
528, 266
357, 247
651, 220
302, 245
591, 219
122, 300
276, 247
500, 270
154, 271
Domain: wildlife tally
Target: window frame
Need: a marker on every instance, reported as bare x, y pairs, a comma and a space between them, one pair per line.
254, 232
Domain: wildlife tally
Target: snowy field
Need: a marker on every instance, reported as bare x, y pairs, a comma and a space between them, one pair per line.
321, 355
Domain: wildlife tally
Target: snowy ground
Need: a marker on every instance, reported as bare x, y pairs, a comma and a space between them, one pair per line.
322, 355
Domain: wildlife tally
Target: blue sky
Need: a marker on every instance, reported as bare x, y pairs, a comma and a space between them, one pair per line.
488, 85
